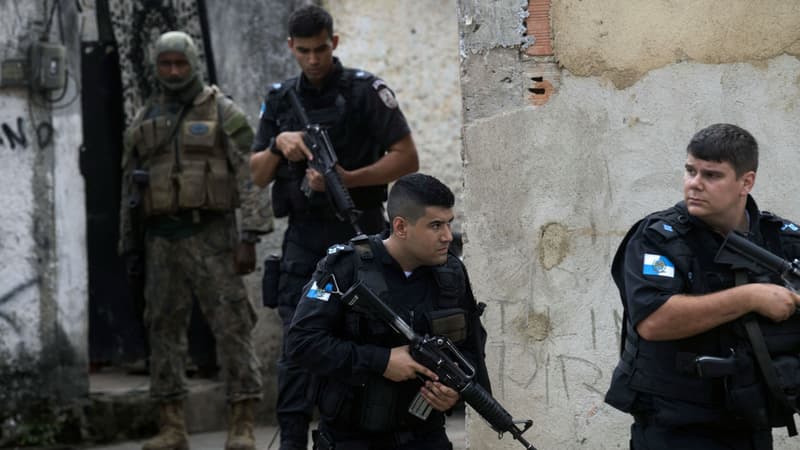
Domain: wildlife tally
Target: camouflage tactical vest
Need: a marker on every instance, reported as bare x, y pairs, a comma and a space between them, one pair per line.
187, 165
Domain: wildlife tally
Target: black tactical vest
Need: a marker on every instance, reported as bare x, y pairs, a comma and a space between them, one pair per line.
666, 368
336, 111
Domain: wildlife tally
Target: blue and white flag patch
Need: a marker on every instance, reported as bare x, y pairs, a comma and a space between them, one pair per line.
336, 248
320, 294
658, 265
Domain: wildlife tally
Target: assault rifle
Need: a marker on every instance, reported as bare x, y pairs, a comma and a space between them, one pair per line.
324, 162
438, 354
740, 253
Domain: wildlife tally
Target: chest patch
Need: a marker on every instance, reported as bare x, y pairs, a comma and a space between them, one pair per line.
658, 265
198, 129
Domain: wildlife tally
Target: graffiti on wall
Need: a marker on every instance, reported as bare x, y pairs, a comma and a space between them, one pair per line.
136, 25
13, 136
7, 316
569, 374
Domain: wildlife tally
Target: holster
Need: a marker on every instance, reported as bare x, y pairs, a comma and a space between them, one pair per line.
270, 280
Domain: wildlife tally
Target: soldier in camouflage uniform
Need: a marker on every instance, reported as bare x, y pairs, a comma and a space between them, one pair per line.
186, 160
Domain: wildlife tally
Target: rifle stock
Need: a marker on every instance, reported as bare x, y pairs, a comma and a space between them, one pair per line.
439, 355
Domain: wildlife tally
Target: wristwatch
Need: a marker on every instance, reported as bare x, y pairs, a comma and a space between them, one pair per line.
273, 148
249, 237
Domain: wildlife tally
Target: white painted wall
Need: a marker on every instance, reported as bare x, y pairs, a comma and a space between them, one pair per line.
43, 317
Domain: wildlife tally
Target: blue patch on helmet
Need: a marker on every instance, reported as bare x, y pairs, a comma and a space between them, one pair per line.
198, 129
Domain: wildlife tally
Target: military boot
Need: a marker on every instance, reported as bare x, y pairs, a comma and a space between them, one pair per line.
240, 426
172, 433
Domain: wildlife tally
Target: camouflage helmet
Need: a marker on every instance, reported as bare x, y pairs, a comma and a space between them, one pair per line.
177, 41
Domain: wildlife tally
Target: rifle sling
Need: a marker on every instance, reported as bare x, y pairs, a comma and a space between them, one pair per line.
761, 353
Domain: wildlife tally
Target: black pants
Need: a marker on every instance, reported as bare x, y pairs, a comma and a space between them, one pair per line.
304, 244
699, 437
430, 440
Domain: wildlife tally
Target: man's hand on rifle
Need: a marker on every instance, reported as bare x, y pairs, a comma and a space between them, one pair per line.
317, 181
772, 301
402, 366
291, 144
439, 396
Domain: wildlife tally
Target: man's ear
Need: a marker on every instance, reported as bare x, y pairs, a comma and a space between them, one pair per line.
290, 43
749, 180
334, 41
400, 227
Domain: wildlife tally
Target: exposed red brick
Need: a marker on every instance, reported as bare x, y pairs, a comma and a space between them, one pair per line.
538, 26
540, 93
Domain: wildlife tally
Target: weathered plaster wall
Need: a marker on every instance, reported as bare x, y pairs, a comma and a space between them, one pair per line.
623, 40
42, 256
575, 173
414, 48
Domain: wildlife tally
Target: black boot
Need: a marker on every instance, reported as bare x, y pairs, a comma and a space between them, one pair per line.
294, 431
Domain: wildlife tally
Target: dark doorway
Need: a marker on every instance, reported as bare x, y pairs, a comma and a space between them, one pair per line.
116, 306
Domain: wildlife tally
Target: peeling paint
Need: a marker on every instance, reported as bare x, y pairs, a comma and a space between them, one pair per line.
534, 325
553, 245
623, 40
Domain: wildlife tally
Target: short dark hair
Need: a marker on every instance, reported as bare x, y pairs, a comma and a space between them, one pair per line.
308, 21
723, 142
412, 193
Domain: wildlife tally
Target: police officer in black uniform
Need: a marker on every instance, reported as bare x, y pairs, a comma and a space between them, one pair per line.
680, 305
366, 377
374, 146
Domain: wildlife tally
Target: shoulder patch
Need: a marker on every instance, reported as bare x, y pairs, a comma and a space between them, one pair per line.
386, 95
658, 265
320, 293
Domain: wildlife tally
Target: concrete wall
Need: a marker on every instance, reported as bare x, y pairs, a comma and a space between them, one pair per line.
632, 83
43, 328
414, 48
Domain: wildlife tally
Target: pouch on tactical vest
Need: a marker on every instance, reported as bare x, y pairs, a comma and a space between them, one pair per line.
450, 323
198, 176
378, 404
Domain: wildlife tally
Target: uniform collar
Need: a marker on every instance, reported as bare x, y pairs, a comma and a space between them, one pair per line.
387, 260
751, 209
331, 80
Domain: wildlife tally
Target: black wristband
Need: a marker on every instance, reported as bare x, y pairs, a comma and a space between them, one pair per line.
274, 148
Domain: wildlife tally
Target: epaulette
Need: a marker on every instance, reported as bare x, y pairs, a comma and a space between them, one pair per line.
669, 223
786, 226
337, 252
362, 75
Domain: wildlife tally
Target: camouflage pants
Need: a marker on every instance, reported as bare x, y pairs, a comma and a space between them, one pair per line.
201, 264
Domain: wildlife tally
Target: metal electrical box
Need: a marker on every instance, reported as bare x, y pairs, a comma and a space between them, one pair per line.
48, 69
